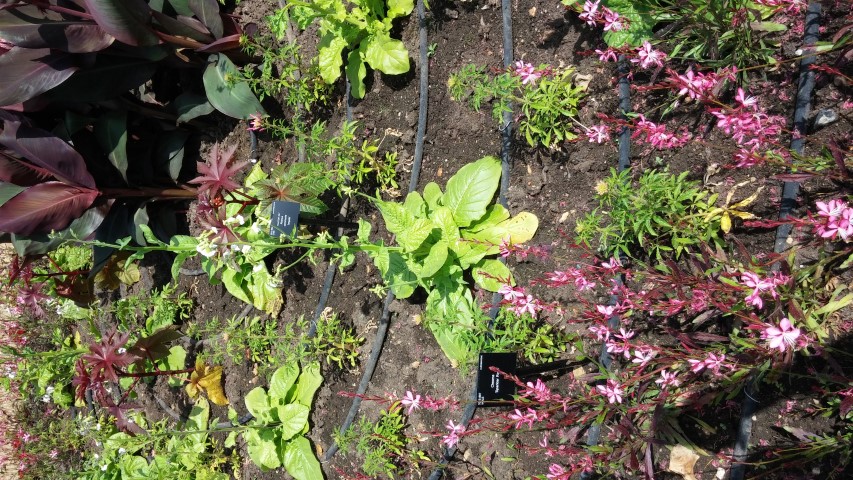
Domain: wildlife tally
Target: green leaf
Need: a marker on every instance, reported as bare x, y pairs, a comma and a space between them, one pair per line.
768, 26
282, 380
8, 190
111, 134
488, 272
189, 106
432, 195
309, 381
329, 58
399, 8
258, 403
356, 71
363, 234
169, 153
293, 418
835, 305
412, 237
495, 214
387, 55
397, 218
518, 229
299, 460
471, 190
400, 278
176, 360
262, 448
226, 92
434, 260
235, 284
415, 204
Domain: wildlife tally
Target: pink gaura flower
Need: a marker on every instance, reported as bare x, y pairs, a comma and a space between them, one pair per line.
452, 438
608, 55
668, 379
590, 12
527, 72
648, 57
643, 355
606, 310
256, 122
601, 332
831, 209
412, 401
598, 133
511, 293
612, 21
613, 391
782, 337
538, 390
557, 472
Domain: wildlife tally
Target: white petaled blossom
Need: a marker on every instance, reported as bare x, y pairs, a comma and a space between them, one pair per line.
206, 248
235, 220
257, 268
255, 229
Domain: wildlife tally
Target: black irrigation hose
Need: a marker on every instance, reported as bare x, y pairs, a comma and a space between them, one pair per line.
604, 359
506, 162
385, 318
789, 200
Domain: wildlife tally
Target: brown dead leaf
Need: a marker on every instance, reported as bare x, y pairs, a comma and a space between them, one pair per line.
681, 461
208, 379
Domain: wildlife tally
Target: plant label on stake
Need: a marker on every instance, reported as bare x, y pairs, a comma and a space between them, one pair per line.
491, 386
284, 217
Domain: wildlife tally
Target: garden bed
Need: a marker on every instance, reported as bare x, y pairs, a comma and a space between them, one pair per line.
648, 428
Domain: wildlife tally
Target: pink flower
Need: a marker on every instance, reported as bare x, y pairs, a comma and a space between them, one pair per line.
527, 418
782, 337
601, 332
452, 438
598, 133
668, 379
608, 55
524, 305
744, 101
606, 310
590, 12
538, 390
613, 391
643, 355
612, 20
527, 72
511, 293
412, 401
256, 122
557, 472
648, 57
831, 209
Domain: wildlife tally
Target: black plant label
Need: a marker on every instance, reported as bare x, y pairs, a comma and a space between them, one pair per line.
284, 217
492, 388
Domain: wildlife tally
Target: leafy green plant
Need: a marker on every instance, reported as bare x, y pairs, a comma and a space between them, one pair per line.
276, 436
660, 213
549, 105
382, 444
335, 342
163, 307
363, 31
444, 236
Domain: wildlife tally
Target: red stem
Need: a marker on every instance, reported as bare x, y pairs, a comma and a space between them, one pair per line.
160, 193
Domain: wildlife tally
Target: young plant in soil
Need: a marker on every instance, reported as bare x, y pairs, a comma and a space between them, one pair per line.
548, 98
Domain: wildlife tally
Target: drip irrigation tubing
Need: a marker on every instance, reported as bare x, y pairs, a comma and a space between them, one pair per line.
385, 318
506, 145
604, 359
789, 200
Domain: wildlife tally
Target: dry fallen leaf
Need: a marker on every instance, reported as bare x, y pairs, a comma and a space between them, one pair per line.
208, 379
681, 461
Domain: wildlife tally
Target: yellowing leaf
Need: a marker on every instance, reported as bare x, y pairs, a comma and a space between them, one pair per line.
726, 222
208, 379
681, 461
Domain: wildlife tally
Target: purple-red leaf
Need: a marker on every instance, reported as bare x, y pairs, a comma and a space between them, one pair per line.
45, 207
20, 173
27, 72
25, 28
45, 150
231, 42
126, 20
217, 176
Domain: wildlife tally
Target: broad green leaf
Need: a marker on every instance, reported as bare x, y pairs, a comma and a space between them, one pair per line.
435, 259
133, 467
111, 134
387, 55
264, 295
169, 153
257, 173
189, 106
176, 360
495, 214
768, 26
226, 92
282, 380
356, 71
400, 278
309, 381
835, 305
329, 58
195, 442
471, 190
300, 461
262, 448
490, 274
411, 238
432, 195
399, 8
397, 218
363, 234
517, 230
442, 217
639, 23
258, 404
234, 283
293, 418
125, 20
415, 204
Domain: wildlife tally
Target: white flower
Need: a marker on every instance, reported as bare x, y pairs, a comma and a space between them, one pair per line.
255, 229
257, 268
206, 249
121, 351
122, 451
104, 468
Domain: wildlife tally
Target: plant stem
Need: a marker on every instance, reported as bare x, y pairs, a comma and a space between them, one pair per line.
157, 373
148, 192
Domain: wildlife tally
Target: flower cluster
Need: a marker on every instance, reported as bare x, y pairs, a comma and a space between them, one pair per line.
520, 302
648, 57
833, 220
657, 136
759, 285
453, 437
528, 73
612, 390
415, 402
746, 123
592, 13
